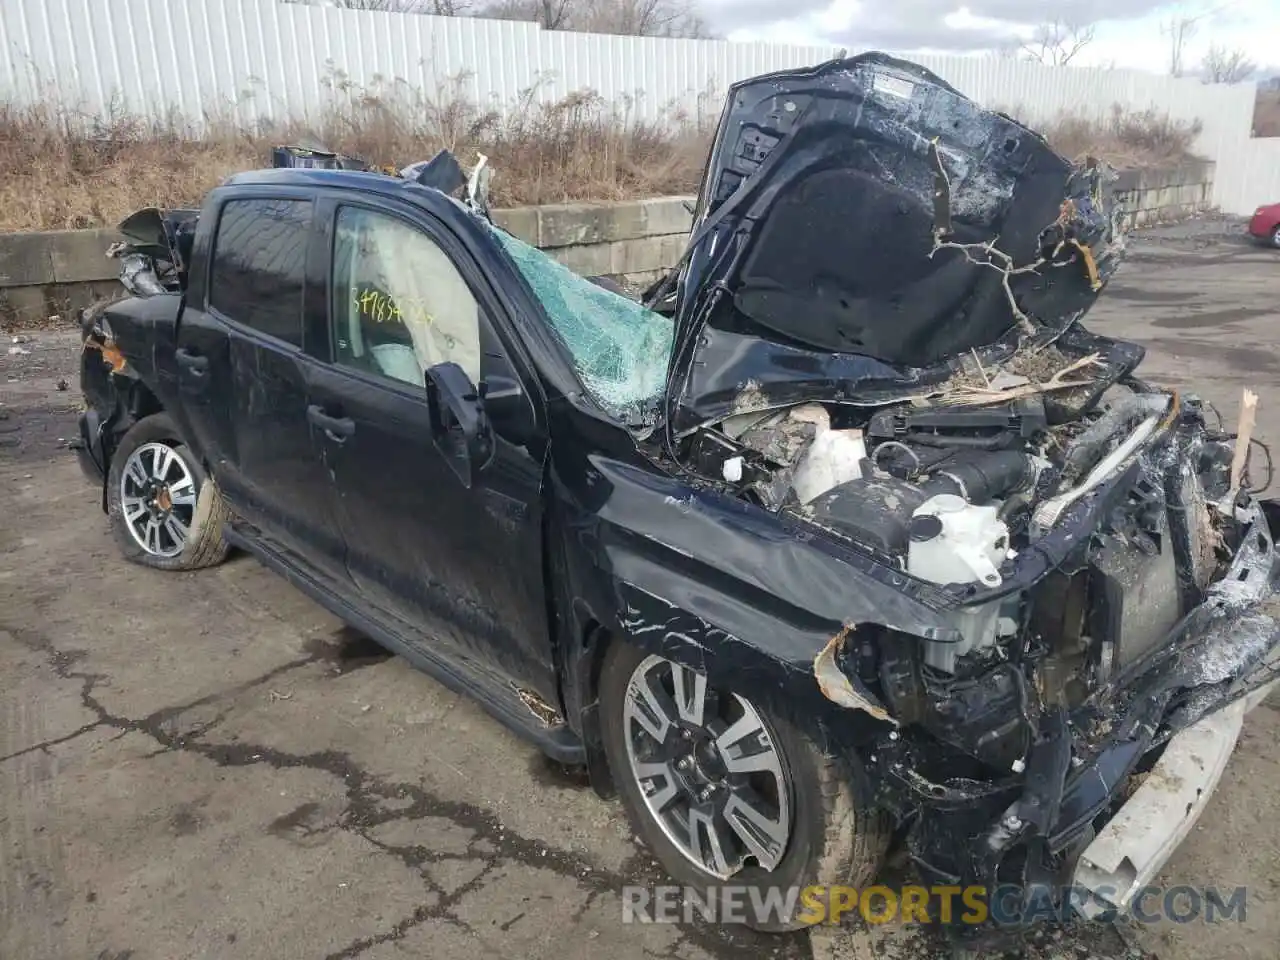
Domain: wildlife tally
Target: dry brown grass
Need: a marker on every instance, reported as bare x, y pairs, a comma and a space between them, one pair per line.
1266, 114
64, 171
1126, 139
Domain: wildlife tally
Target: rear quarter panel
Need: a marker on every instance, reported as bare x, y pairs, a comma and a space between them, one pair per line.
119, 375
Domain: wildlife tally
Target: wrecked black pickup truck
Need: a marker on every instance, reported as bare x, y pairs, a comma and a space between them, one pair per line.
851, 535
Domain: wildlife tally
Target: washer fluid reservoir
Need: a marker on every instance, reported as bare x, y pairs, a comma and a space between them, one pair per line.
953, 541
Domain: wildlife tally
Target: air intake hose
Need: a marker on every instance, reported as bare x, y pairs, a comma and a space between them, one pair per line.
981, 478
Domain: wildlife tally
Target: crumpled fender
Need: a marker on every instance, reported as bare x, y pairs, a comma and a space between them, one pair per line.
748, 598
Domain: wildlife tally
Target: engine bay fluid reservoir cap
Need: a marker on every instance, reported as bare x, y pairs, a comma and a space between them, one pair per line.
925, 526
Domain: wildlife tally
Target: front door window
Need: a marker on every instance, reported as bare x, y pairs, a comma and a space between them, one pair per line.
400, 305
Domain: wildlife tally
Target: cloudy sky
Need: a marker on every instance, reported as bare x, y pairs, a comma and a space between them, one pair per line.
1127, 32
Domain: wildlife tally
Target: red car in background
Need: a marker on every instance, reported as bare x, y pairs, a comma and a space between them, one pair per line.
1265, 224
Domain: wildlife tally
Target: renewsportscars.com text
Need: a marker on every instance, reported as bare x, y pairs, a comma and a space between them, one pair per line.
1006, 904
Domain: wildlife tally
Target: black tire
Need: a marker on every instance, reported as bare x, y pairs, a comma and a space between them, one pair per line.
205, 546
836, 836
1275, 237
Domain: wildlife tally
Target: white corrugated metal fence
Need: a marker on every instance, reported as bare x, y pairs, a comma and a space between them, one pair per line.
262, 59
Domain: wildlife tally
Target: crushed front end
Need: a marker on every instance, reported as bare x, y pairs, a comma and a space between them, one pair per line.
879, 335
1102, 582
1007, 765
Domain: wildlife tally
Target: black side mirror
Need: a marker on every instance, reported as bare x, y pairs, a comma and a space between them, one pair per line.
507, 406
459, 425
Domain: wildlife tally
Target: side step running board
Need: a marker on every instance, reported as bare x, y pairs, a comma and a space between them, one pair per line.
501, 700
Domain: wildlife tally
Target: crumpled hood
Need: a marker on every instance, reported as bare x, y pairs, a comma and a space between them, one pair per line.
828, 260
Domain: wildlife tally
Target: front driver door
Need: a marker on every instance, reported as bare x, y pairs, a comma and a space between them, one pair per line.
462, 567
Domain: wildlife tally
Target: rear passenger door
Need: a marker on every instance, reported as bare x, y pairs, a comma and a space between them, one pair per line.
242, 370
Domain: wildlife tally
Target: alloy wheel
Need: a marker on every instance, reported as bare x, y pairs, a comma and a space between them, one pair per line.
708, 768
158, 499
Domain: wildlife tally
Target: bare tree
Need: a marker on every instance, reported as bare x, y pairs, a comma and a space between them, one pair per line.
1179, 30
1221, 65
640, 18
548, 14
1056, 42
439, 8
643, 18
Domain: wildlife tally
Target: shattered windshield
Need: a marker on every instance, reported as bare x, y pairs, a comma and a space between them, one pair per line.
619, 348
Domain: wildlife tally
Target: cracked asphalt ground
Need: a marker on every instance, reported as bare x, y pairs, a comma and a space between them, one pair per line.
209, 765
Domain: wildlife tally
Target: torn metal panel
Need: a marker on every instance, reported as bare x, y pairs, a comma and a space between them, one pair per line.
156, 252
442, 172
1129, 852
545, 713
836, 685
112, 355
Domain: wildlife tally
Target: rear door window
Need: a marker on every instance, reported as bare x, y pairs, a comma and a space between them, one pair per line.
259, 265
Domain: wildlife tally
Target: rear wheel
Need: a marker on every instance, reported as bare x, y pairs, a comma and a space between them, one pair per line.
728, 792
1275, 237
165, 512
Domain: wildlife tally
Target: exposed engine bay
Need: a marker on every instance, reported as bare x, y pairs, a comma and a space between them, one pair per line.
876, 428
953, 493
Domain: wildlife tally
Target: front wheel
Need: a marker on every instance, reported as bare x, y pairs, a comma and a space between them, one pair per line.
1275, 237
164, 511
728, 792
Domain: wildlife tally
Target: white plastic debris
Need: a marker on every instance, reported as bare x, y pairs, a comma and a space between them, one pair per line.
732, 469
834, 457
18, 351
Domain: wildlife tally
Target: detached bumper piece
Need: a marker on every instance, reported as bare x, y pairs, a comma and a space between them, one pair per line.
1138, 841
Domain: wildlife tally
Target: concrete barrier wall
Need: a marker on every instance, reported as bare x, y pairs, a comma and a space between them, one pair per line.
1158, 196
58, 273
638, 239
48, 274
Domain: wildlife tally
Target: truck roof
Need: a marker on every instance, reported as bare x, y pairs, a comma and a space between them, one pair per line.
365, 182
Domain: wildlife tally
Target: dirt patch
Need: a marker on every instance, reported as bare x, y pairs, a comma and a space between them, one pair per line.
1137, 295
39, 395
1210, 318
346, 649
